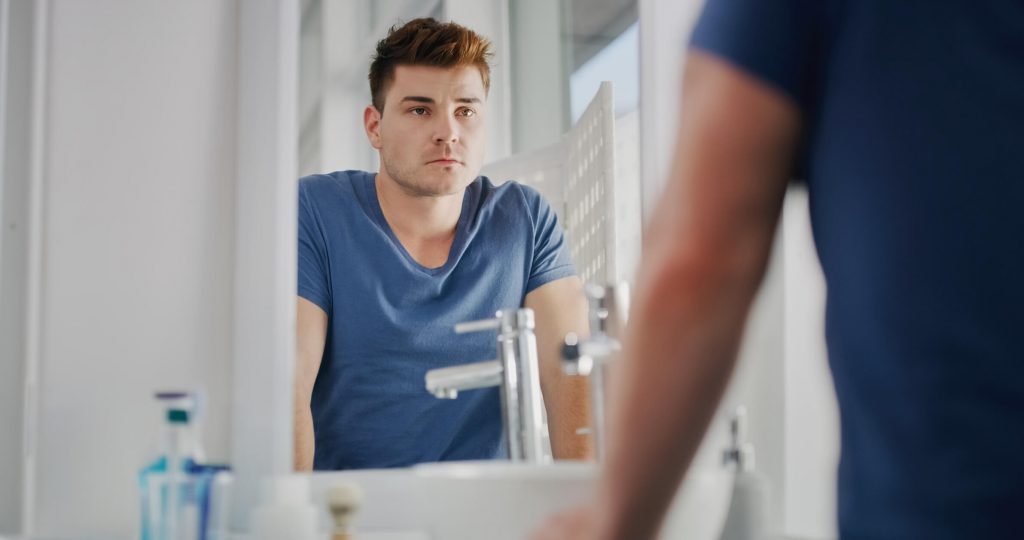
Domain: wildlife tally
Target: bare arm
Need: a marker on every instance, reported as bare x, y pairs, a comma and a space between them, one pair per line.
705, 255
560, 308
311, 335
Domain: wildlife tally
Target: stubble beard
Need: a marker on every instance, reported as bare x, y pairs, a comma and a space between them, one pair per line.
404, 177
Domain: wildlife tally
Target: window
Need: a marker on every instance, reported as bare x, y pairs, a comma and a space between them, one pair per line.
561, 51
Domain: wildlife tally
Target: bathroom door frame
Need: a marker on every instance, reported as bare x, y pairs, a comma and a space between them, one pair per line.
265, 246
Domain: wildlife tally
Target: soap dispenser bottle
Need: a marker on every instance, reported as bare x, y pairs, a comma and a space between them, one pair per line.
746, 519
176, 488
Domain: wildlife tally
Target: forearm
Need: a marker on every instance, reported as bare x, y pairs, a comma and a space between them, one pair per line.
311, 335
685, 332
560, 308
304, 442
568, 406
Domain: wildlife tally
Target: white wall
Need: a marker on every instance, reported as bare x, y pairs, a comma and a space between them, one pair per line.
664, 27
336, 50
137, 249
344, 143
812, 414
15, 81
538, 59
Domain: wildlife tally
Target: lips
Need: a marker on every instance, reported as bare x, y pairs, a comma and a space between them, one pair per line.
445, 161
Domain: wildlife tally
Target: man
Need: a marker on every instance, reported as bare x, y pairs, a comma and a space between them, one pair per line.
389, 263
905, 120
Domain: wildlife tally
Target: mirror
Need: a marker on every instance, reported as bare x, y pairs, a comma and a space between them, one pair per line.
442, 201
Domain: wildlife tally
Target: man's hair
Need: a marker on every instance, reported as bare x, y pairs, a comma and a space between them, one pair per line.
427, 42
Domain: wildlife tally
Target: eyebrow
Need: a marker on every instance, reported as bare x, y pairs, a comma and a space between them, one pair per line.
423, 99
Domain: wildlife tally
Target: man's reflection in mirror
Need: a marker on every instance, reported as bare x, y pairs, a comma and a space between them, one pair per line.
389, 262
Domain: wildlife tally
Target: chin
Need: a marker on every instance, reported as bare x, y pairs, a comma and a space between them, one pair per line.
449, 184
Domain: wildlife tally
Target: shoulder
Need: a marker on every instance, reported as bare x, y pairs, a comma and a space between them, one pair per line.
330, 189
326, 182
781, 43
512, 195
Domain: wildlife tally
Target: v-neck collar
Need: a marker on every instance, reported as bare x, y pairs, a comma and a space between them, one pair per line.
373, 202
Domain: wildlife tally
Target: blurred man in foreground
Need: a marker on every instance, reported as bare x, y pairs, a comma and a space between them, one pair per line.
904, 119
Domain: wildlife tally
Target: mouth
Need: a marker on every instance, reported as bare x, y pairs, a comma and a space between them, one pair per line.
444, 162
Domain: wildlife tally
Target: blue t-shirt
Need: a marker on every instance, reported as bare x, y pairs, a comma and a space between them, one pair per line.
914, 161
391, 319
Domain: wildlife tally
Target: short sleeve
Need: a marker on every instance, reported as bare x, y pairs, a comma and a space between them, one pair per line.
551, 259
314, 283
776, 41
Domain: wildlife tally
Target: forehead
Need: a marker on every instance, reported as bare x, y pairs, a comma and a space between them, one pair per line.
432, 81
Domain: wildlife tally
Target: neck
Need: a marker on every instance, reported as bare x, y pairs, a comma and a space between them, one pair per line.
417, 217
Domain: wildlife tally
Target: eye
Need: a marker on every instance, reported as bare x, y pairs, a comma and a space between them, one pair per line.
418, 111
466, 112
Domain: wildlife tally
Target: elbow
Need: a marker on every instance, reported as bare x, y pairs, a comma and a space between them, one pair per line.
704, 279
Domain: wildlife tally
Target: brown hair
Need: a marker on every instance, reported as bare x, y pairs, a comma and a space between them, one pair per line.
427, 42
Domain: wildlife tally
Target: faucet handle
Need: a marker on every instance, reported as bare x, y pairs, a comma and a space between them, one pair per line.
574, 361
477, 326
597, 309
739, 453
505, 321
594, 291
343, 501
608, 307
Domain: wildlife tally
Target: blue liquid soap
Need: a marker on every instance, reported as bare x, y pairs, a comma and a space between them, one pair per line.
177, 488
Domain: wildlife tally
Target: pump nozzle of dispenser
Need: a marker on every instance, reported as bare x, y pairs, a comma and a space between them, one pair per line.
739, 453
748, 504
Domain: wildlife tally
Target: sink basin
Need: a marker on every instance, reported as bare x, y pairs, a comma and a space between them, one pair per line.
502, 500
499, 500
699, 509
462, 500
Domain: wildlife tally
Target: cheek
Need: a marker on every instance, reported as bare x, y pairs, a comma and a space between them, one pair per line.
480, 142
394, 141
476, 134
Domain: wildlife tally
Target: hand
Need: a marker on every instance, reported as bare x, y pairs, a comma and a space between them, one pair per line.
578, 523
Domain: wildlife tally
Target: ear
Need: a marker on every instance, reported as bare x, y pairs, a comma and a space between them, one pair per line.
371, 123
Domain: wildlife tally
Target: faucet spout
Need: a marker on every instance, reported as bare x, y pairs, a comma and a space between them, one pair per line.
446, 383
516, 373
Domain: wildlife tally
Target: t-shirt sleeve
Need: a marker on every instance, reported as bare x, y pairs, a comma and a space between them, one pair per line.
775, 41
551, 259
314, 283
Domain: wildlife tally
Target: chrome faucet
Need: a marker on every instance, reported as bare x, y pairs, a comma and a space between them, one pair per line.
515, 372
609, 308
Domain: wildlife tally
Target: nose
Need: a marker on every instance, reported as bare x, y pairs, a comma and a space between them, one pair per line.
445, 130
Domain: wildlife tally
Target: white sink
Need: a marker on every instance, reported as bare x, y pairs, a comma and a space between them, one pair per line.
499, 500
502, 500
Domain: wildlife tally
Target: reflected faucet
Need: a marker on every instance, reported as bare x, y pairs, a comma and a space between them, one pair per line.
588, 357
515, 372
446, 383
